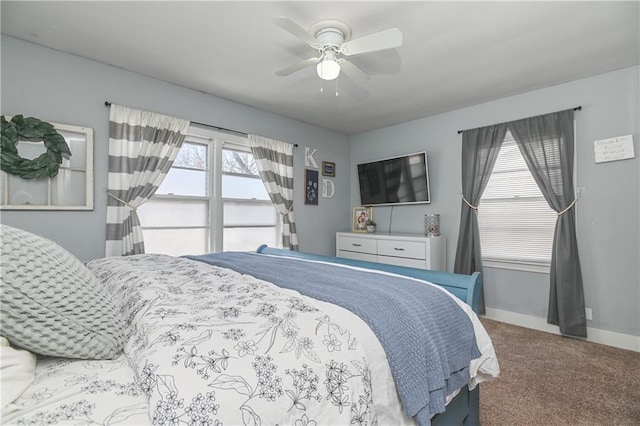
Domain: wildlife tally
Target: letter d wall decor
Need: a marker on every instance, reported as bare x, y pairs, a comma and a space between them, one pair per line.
328, 188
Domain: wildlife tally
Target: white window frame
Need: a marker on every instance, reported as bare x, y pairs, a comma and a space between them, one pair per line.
216, 142
194, 139
232, 142
8, 181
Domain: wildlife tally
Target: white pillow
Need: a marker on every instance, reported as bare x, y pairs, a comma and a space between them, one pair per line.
17, 371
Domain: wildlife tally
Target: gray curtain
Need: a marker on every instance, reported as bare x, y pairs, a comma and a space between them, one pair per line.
547, 144
275, 164
480, 148
142, 147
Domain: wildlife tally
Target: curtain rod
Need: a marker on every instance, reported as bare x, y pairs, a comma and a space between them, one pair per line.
223, 129
578, 108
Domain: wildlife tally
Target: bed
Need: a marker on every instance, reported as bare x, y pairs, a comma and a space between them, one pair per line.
247, 338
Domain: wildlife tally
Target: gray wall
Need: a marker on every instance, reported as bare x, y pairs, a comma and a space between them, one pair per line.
54, 86
607, 214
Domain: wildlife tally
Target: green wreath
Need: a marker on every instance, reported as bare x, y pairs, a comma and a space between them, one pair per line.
31, 129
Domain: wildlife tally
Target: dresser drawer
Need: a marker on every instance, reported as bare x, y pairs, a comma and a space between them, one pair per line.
360, 245
399, 248
402, 261
367, 257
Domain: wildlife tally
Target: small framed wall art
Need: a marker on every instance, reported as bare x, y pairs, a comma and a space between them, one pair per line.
361, 216
311, 187
328, 169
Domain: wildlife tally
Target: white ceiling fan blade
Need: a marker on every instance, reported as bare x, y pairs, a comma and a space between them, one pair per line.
387, 39
295, 29
353, 72
296, 67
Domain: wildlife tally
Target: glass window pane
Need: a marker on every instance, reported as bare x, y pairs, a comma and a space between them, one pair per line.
69, 188
193, 156
174, 212
245, 188
248, 239
27, 191
78, 146
239, 162
184, 182
176, 242
247, 213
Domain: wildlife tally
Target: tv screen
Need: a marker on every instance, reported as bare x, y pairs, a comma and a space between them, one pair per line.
398, 180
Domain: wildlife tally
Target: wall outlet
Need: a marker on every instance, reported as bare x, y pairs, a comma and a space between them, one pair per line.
589, 313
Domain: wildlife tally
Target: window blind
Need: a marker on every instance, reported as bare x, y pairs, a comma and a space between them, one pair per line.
516, 223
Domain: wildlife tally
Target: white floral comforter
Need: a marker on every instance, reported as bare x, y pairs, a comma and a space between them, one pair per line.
210, 346
71, 391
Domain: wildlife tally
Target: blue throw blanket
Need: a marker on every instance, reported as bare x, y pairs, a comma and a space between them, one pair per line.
429, 341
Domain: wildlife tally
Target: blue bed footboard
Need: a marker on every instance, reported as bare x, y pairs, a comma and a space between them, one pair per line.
465, 407
464, 287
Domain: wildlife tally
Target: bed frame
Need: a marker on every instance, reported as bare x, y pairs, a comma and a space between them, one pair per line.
465, 407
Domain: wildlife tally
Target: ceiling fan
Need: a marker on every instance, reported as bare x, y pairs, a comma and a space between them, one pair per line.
332, 40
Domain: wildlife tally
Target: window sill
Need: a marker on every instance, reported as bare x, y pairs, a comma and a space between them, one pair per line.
540, 268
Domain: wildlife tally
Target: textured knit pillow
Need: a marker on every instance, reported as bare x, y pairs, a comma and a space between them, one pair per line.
51, 303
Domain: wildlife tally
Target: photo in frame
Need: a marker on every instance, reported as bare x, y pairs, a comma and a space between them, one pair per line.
361, 215
311, 187
328, 169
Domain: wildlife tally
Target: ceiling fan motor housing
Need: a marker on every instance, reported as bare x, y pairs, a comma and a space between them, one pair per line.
331, 33
330, 37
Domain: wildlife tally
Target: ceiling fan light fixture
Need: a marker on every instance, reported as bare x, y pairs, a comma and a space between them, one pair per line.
328, 68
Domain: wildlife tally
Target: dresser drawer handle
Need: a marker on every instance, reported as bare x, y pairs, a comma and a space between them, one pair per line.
356, 245
398, 249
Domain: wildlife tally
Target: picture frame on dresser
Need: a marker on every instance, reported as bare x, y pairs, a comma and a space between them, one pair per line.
361, 215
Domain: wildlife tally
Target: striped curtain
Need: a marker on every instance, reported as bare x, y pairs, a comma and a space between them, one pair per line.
142, 147
275, 164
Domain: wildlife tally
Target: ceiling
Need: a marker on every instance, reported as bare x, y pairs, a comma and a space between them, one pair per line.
454, 54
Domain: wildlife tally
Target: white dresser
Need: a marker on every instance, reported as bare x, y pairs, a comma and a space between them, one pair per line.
416, 251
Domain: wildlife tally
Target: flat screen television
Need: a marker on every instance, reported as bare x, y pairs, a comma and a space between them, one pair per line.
397, 180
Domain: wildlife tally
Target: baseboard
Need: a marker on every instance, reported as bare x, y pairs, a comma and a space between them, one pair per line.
595, 335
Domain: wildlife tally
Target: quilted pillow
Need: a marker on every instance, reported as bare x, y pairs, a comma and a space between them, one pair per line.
51, 303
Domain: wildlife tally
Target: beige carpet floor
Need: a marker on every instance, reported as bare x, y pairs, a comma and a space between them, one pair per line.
547, 379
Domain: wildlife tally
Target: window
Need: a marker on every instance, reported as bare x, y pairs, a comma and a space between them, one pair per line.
211, 200
70, 189
249, 216
516, 223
